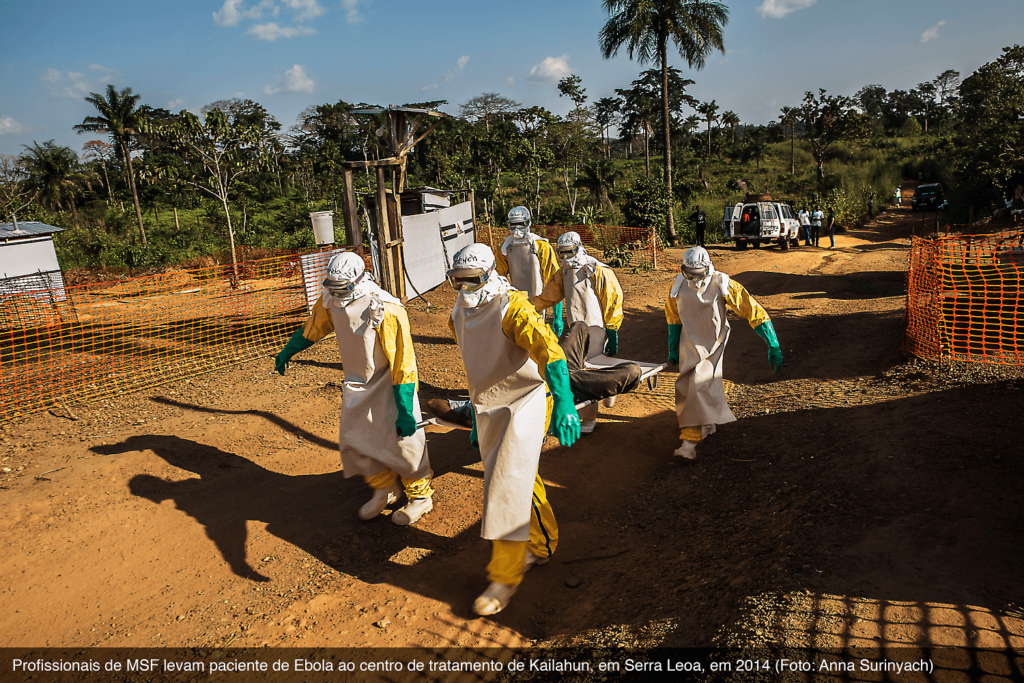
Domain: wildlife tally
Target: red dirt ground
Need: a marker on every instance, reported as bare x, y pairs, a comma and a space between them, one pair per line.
861, 498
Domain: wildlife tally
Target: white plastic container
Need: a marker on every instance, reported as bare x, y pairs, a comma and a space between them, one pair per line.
323, 227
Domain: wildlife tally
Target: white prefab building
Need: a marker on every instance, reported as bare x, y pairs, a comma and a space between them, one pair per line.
28, 261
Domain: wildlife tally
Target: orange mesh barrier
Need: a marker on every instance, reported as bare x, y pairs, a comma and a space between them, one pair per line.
964, 298
617, 246
91, 341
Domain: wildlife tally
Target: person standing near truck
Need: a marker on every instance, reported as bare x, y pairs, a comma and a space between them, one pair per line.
830, 221
805, 225
700, 224
898, 195
816, 218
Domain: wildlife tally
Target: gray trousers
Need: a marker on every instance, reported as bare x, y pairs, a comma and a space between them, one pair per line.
593, 384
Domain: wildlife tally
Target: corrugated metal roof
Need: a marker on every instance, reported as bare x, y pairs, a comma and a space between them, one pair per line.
26, 229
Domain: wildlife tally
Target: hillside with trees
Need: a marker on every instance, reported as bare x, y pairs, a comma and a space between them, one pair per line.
168, 187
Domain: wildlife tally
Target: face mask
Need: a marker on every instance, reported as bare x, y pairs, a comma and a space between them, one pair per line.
518, 231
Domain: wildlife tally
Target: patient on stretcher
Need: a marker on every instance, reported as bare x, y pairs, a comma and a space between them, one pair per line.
587, 381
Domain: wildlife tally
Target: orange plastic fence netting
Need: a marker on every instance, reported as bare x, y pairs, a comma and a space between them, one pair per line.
617, 246
83, 343
964, 298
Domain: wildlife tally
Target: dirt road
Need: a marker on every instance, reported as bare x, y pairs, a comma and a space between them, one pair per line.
861, 498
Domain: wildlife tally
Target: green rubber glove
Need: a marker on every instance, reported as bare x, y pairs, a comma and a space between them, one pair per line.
565, 421
611, 342
674, 332
295, 344
473, 440
557, 326
406, 422
766, 331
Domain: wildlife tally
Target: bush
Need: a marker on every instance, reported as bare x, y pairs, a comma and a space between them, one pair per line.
645, 205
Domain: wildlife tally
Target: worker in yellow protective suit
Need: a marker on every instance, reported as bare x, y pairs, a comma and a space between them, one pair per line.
377, 433
594, 297
528, 261
698, 331
512, 361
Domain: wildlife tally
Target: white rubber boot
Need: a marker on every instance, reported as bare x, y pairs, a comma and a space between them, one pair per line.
412, 511
494, 599
588, 426
381, 499
608, 402
687, 450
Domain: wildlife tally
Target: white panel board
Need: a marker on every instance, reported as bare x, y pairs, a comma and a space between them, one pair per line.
431, 240
314, 270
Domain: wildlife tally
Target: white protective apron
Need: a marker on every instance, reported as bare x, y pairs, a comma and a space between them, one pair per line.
582, 304
367, 437
523, 264
700, 392
508, 394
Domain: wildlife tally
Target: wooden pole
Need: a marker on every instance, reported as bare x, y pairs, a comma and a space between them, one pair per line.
381, 218
353, 236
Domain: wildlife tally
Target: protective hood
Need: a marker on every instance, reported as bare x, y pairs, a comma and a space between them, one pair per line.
494, 286
342, 271
700, 287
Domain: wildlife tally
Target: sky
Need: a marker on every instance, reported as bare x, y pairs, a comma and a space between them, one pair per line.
290, 54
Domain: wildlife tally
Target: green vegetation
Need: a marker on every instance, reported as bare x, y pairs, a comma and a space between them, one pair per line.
232, 175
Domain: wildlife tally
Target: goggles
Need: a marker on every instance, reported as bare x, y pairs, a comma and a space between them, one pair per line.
518, 226
695, 274
567, 252
343, 288
469, 279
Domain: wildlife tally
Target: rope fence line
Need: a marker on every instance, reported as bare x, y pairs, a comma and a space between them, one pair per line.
616, 246
964, 298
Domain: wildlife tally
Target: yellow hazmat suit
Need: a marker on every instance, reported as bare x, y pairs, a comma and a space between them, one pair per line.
528, 262
506, 348
592, 295
701, 311
377, 354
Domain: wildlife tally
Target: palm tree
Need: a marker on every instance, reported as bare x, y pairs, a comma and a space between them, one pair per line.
645, 27
55, 176
119, 117
710, 111
730, 119
789, 118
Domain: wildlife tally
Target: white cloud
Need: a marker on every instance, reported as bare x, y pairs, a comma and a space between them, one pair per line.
304, 9
511, 80
74, 84
8, 126
175, 104
295, 80
231, 13
462, 62
776, 9
351, 8
272, 31
432, 86
933, 32
551, 70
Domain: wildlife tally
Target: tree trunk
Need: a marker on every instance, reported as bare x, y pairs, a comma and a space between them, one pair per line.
663, 48
647, 153
177, 228
792, 149
135, 195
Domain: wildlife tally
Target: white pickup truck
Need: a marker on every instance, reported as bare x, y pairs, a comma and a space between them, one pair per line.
761, 222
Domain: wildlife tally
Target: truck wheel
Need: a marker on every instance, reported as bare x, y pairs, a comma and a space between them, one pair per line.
783, 243
741, 245
757, 245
